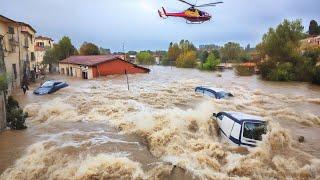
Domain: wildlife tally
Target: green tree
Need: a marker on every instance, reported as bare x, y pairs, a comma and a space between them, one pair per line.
104, 51
203, 55
51, 57
314, 29
211, 62
231, 51
281, 44
282, 47
216, 53
145, 58
187, 59
15, 115
173, 52
65, 48
88, 48
186, 45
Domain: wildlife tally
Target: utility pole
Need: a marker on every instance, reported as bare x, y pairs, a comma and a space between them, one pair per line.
125, 71
124, 57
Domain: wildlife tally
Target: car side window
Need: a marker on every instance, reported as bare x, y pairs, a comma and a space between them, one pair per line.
220, 116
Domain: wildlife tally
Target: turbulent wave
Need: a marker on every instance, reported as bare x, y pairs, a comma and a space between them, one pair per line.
175, 124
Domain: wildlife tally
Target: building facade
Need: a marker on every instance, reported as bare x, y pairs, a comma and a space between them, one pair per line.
18, 47
42, 44
89, 67
16, 56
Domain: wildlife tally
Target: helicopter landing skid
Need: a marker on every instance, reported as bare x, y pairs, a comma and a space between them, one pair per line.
190, 22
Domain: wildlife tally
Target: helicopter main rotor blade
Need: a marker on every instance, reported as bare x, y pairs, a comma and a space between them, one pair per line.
209, 4
187, 3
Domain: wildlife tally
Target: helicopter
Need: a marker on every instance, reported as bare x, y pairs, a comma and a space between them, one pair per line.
192, 14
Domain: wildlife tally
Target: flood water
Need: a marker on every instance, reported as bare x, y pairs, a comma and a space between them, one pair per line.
161, 129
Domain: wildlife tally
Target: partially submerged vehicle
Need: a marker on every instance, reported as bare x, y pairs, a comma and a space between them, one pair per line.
50, 87
217, 93
240, 129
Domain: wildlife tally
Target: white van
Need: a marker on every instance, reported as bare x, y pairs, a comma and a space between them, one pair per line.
240, 129
217, 93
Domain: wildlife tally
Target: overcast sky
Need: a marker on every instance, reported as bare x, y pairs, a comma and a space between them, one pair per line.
109, 23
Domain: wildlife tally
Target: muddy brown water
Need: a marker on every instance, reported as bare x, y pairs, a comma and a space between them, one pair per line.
100, 119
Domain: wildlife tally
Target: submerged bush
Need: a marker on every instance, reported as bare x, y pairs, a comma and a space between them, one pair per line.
15, 115
244, 71
187, 60
211, 63
316, 75
283, 72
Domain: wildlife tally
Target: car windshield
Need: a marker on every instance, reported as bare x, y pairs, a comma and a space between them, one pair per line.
254, 130
47, 84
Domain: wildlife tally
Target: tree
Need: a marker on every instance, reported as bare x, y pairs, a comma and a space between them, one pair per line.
281, 44
104, 51
282, 47
314, 29
187, 59
211, 62
185, 46
51, 57
89, 49
231, 51
173, 52
65, 48
15, 115
203, 55
216, 53
145, 58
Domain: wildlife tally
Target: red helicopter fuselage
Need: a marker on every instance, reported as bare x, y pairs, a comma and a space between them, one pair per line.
192, 15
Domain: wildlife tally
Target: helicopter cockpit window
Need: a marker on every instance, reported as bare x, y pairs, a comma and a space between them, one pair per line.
192, 9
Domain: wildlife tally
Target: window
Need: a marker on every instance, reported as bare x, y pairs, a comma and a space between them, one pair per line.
40, 44
10, 30
220, 116
33, 57
254, 130
47, 84
14, 69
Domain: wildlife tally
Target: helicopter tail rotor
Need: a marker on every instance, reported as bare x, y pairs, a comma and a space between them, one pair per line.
164, 11
163, 14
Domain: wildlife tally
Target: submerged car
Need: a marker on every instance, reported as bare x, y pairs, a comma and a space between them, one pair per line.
240, 129
50, 87
217, 93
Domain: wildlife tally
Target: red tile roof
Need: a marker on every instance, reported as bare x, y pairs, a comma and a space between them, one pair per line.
44, 38
89, 60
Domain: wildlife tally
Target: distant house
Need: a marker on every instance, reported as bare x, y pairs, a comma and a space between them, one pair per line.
132, 58
41, 45
89, 67
311, 41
